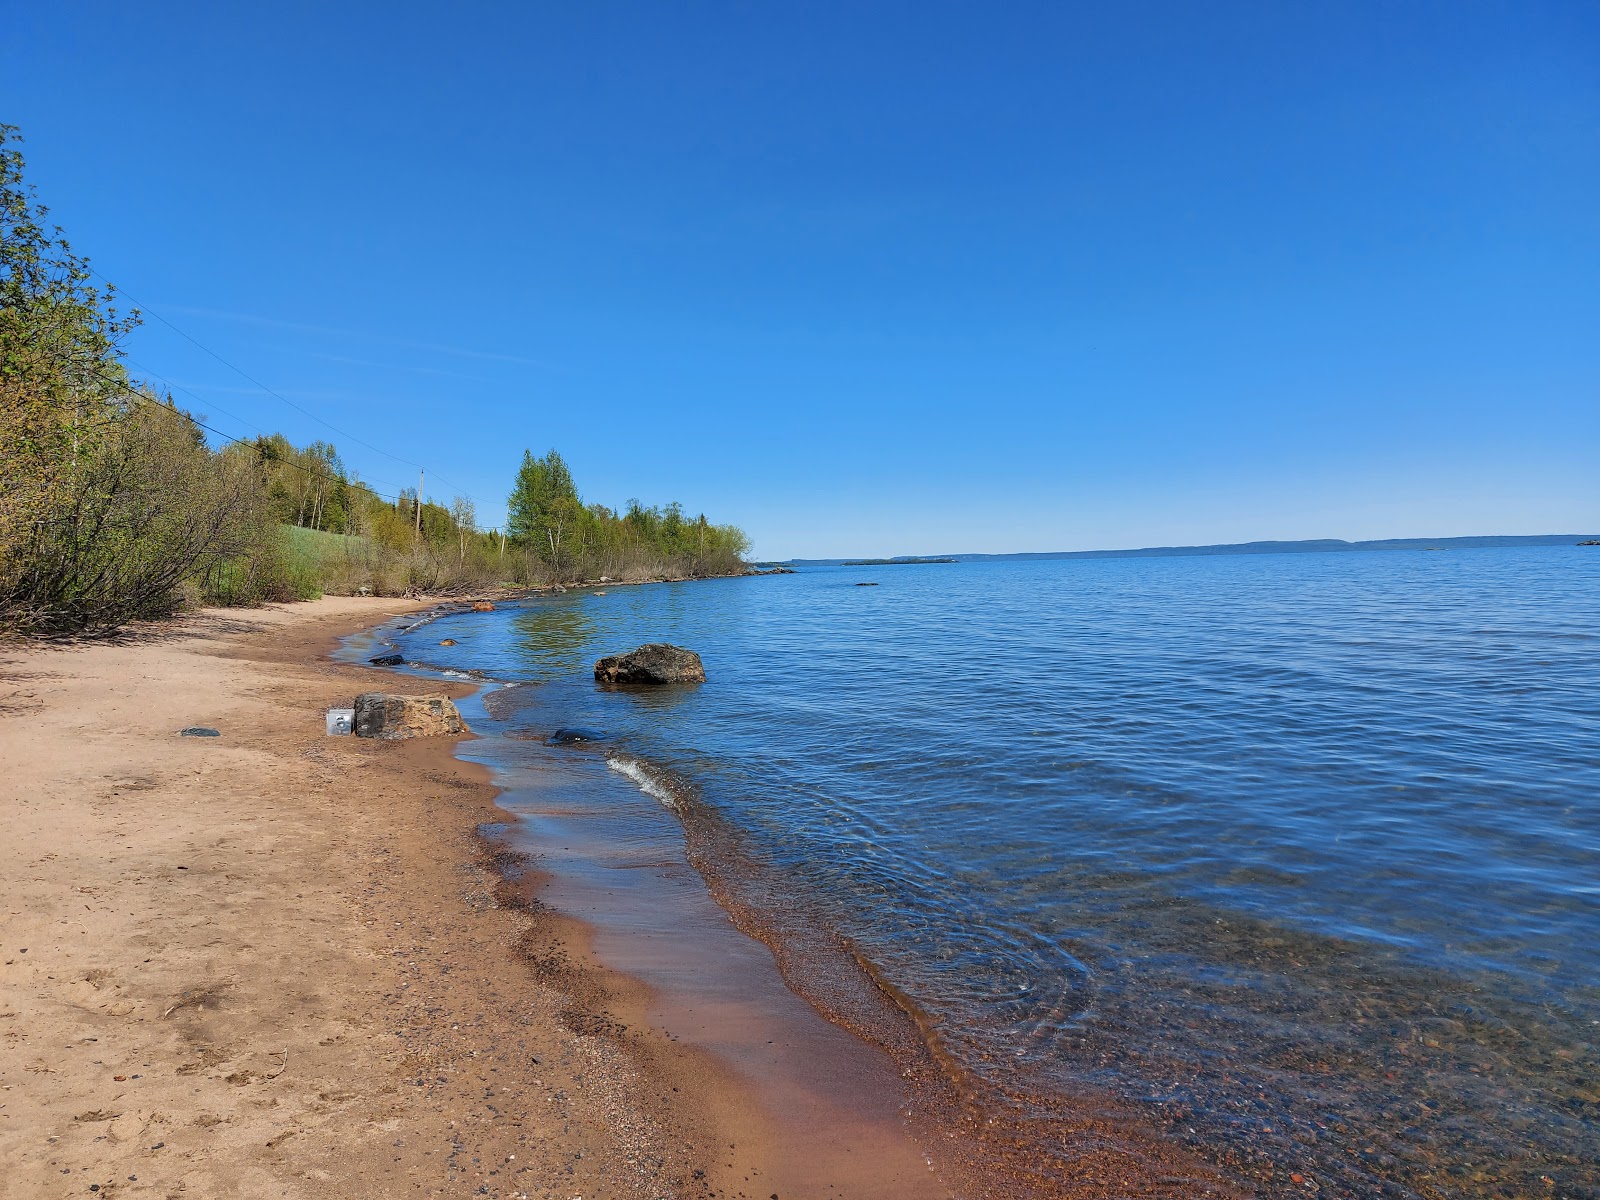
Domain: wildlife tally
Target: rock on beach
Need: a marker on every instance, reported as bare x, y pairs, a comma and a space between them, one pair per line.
386, 715
655, 663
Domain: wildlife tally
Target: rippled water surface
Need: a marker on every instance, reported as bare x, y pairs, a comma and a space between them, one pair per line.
1297, 855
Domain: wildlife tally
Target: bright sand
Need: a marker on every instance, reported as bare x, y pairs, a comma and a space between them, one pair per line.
275, 964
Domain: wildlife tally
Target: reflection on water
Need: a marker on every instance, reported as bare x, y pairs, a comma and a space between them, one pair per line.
551, 638
1298, 854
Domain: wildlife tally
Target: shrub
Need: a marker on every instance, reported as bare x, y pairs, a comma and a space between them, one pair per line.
143, 510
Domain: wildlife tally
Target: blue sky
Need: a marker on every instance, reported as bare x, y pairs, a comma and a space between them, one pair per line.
869, 278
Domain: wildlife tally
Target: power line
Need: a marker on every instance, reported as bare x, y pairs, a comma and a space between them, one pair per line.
190, 417
178, 388
242, 374
266, 458
252, 379
235, 416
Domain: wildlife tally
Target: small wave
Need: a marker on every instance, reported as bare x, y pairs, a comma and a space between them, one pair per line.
647, 783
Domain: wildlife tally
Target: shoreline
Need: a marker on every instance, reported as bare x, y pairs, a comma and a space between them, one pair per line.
981, 1140
802, 1106
274, 964
310, 966
975, 1142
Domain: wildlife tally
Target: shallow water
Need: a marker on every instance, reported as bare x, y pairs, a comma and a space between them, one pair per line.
1297, 855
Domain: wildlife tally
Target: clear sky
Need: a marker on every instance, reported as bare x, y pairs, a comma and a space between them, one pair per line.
869, 277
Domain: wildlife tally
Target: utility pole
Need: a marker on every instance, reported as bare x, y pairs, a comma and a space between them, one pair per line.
421, 475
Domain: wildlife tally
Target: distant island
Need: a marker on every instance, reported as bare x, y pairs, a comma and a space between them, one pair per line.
1308, 546
907, 561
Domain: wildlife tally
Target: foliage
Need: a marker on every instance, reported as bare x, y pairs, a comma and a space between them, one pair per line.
57, 329
57, 363
148, 510
307, 488
544, 508
562, 540
113, 508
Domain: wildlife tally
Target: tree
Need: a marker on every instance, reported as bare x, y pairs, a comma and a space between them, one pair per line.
562, 538
56, 327
323, 473
544, 506
465, 516
61, 383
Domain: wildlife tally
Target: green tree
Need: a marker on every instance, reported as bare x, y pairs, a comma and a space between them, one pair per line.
54, 321
560, 538
544, 508
61, 383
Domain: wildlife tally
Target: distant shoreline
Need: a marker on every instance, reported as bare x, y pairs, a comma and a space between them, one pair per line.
895, 562
1306, 546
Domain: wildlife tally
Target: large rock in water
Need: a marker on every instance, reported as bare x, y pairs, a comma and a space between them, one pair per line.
655, 663
385, 715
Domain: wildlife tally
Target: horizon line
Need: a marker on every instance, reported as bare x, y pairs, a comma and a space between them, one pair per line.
1550, 538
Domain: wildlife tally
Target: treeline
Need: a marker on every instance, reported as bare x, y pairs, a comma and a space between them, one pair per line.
350, 538
551, 536
563, 538
114, 508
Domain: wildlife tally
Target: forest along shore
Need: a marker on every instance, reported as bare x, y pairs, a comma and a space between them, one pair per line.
274, 963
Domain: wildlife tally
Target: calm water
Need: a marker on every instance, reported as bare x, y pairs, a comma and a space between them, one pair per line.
1298, 855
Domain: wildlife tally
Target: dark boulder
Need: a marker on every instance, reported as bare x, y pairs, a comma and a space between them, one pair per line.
563, 737
387, 660
652, 664
199, 731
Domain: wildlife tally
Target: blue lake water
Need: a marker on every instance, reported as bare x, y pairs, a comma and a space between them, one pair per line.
1298, 856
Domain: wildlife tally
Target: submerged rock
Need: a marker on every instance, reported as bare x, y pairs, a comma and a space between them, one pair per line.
483, 606
655, 663
563, 737
387, 660
386, 715
448, 642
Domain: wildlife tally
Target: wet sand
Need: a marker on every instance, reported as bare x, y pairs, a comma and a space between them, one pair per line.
279, 964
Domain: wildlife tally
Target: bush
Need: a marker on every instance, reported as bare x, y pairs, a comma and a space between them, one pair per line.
133, 517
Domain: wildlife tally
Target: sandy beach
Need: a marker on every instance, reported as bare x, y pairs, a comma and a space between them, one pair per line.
275, 964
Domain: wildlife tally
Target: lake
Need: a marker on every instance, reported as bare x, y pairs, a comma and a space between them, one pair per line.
1296, 857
